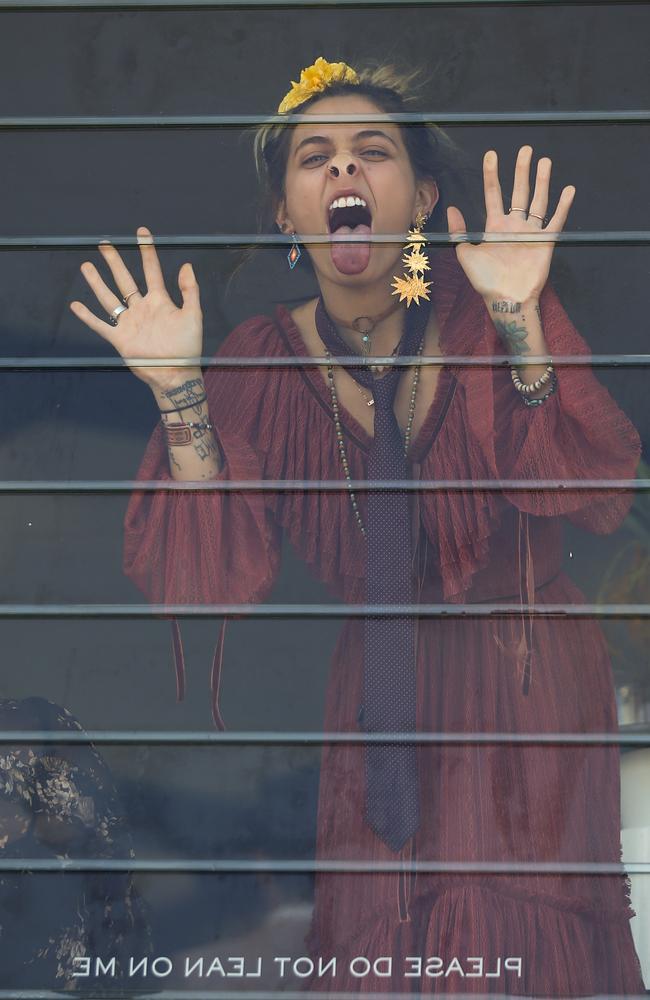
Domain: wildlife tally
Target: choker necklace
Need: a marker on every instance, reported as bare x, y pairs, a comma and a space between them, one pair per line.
364, 325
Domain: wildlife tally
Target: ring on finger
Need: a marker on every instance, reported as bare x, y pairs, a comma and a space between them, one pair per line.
518, 210
126, 298
531, 215
117, 312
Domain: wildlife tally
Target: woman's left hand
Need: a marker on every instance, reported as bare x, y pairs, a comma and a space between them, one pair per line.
512, 270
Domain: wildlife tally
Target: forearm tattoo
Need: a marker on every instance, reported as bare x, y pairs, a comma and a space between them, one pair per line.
188, 397
172, 459
200, 438
513, 332
203, 443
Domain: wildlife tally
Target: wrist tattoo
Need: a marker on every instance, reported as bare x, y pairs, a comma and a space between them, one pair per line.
189, 394
188, 386
506, 306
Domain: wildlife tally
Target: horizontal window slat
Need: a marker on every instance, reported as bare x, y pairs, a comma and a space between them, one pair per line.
405, 361
199, 5
478, 610
35, 487
143, 737
288, 867
625, 116
268, 994
635, 237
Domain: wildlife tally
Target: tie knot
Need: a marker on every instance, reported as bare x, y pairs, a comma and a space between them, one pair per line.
383, 390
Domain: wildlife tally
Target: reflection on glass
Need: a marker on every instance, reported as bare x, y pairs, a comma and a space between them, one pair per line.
60, 802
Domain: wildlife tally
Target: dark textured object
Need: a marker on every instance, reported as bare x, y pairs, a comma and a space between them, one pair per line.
59, 801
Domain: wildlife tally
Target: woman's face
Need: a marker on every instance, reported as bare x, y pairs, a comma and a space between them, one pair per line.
366, 162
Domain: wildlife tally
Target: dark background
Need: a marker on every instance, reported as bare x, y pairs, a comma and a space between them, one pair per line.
97, 183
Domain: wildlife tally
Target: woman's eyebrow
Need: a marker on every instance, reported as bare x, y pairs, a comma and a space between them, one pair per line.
323, 140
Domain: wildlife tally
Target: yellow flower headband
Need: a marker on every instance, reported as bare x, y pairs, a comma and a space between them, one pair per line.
314, 79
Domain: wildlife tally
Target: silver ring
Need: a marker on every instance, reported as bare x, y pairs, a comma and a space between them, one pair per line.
117, 312
125, 300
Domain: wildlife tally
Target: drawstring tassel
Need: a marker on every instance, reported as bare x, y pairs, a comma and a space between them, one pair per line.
179, 659
215, 677
525, 647
522, 651
215, 673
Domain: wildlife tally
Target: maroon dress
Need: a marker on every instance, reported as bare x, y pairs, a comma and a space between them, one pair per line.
521, 807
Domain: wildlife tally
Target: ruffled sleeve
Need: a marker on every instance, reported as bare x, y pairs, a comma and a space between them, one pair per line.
212, 546
578, 433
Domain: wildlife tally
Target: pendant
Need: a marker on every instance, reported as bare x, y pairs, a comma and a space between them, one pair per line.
364, 325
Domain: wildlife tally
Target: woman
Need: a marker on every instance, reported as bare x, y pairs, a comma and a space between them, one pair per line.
524, 806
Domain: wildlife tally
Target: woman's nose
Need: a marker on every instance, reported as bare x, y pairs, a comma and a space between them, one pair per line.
343, 165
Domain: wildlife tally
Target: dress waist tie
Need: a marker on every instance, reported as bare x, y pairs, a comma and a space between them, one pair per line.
215, 673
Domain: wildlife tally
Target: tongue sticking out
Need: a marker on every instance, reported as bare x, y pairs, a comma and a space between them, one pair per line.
350, 258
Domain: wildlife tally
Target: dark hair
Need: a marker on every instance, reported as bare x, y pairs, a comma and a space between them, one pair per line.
431, 151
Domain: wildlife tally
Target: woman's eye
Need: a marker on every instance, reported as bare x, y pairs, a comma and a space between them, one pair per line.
316, 157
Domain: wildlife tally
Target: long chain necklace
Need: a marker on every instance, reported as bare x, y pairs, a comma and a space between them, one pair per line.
339, 429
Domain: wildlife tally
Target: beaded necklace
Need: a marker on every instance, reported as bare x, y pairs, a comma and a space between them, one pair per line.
339, 429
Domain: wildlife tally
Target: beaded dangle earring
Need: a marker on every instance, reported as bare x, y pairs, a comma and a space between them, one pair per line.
294, 253
412, 286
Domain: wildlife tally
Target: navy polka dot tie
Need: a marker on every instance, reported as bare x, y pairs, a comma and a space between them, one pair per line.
389, 677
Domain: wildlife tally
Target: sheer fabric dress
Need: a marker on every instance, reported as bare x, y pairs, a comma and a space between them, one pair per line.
514, 804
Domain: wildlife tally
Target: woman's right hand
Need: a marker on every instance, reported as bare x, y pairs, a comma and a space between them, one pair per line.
153, 326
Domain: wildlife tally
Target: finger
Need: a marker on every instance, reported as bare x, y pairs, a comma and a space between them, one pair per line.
493, 199
123, 278
456, 223
106, 298
521, 184
150, 263
539, 204
82, 312
556, 223
189, 287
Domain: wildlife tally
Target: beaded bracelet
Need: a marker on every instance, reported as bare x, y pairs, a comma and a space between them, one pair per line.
540, 399
530, 386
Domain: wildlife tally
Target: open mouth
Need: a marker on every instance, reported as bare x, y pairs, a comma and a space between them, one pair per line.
349, 216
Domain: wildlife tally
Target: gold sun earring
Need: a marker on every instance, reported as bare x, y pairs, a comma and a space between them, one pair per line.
412, 286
